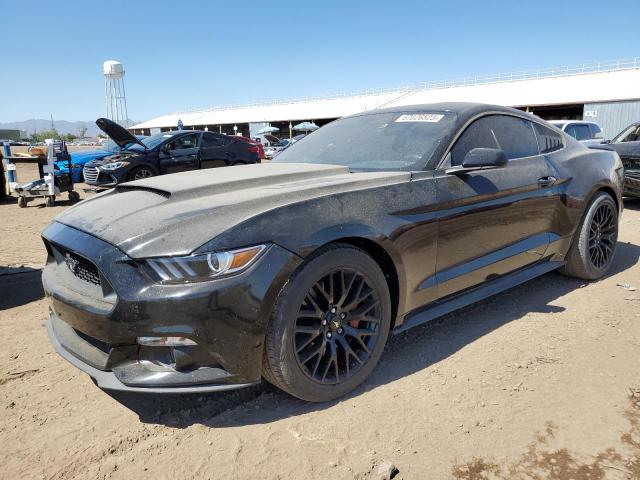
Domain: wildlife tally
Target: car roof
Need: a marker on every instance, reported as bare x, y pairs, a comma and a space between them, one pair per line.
465, 111
456, 107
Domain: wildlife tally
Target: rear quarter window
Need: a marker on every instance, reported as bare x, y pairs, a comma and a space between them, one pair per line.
548, 139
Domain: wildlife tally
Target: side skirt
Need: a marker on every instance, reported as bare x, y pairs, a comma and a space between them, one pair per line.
489, 289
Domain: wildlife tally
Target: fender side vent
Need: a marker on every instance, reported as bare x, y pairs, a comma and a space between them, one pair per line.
133, 188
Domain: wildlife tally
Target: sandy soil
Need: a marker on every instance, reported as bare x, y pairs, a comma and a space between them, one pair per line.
541, 382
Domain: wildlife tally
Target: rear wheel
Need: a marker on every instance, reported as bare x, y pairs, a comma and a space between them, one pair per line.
140, 173
22, 202
74, 196
329, 326
50, 201
594, 243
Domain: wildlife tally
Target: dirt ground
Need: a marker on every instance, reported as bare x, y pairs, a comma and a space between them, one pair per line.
541, 382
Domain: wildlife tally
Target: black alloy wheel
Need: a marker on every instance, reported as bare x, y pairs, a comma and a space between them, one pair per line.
602, 235
329, 325
142, 172
594, 242
337, 326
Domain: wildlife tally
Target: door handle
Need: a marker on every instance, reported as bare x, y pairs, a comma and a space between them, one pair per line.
547, 181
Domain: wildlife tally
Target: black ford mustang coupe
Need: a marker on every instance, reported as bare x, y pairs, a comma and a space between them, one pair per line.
297, 271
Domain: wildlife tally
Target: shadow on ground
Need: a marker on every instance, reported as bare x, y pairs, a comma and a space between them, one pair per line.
19, 286
404, 354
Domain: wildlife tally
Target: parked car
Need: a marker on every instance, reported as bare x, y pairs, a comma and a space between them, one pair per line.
79, 160
627, 144
297, 270
162, 153
588, 133
253, 142
275, 145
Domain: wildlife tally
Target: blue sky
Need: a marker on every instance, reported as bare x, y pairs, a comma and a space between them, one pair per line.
187, 55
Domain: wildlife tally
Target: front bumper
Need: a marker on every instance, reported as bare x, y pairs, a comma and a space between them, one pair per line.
101, 301
108, 380
96, 177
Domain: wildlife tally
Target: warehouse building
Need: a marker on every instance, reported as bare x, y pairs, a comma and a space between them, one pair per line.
606, 93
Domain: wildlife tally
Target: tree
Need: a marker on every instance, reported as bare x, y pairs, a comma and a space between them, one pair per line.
44, 134
82, 130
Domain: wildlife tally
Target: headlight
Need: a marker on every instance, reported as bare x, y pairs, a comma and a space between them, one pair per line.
113, 165
199, 268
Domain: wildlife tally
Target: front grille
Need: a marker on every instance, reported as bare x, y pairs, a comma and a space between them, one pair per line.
79, 266
90, 174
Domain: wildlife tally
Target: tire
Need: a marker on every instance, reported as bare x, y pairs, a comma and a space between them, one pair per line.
22, 202
594, 243
140, 173
74, 197
328, 326
50, 201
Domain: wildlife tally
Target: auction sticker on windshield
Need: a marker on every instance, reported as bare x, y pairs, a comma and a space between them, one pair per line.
420, 117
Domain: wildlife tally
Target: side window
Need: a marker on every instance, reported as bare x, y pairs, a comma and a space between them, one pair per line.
571, 131
210, 140
582, 132
595, 130
186, 141
513, 135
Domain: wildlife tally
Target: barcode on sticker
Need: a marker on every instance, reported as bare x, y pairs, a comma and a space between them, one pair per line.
420, 117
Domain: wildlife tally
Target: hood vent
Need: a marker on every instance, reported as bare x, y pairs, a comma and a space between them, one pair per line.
135, 188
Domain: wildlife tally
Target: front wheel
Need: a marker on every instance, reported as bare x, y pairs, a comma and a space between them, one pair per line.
594, 243
140, 173
329, 325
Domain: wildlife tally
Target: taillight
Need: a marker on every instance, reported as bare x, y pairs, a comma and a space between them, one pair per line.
253, 149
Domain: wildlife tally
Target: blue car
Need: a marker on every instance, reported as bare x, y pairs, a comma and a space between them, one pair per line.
78, 160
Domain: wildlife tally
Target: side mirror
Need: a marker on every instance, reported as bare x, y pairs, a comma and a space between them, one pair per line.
484, 157
606, 142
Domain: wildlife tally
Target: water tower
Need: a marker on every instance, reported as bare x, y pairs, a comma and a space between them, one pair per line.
114, 92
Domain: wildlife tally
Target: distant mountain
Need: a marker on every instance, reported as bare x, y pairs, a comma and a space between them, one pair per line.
62, 126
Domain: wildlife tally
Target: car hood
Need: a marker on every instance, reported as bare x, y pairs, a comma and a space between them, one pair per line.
176, 214
121, 136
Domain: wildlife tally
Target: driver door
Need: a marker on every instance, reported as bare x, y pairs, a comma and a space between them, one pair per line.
497, 220
180, 154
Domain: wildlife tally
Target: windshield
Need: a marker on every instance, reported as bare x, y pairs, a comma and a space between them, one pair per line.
150, 142
629, 134
377, 141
